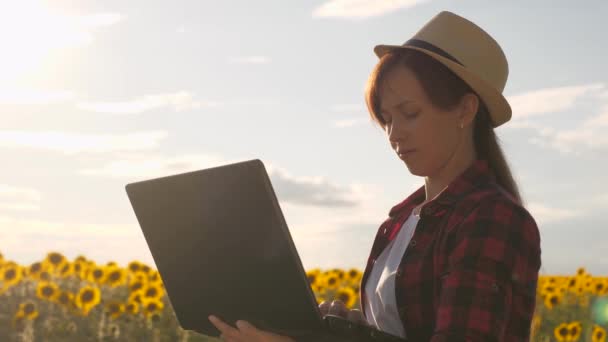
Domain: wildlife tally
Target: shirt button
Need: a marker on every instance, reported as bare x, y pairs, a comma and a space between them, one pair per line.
428, 210
399, 273
384, 232
413, 242
495, 286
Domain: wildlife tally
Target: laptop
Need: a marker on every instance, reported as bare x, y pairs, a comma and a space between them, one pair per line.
222, 246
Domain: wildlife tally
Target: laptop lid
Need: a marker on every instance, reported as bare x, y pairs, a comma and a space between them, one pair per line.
221, 245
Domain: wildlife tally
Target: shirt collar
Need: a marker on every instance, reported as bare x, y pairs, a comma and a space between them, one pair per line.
478, 172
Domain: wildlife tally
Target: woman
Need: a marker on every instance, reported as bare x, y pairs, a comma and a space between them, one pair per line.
458, 259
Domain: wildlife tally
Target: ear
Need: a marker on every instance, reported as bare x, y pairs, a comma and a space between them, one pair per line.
469, 104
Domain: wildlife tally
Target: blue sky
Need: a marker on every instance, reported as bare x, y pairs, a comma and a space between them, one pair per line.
97, 94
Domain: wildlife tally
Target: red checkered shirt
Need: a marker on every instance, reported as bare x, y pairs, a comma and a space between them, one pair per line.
471, 268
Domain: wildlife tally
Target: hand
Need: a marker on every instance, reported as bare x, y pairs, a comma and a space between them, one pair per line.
246, 332
338, 308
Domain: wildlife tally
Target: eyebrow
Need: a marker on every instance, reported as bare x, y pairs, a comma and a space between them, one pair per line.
398, 106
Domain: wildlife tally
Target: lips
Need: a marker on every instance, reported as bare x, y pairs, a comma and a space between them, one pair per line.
404, 152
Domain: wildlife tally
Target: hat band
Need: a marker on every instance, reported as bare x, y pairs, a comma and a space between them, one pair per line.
430, 47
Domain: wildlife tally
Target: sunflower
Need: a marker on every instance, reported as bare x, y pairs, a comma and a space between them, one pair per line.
134, 266
599, 286
116, 276
347, 296
553, 299
331, 281
575, 329
154, 317
152, 305
313, 275
136, 297
562, 332
67, 270
80, 269
137, 282
354, 275
34, 269
599, 334
55, 260
87, 298
47, 290
115, 309
155, 277
145, 268
152, 291
581, 271
11, 274
98, 274
29, 310
66, 300
132, 307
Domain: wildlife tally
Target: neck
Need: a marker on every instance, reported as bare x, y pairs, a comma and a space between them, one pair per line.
436, 183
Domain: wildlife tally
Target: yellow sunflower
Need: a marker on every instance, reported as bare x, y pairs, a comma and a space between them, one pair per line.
29, 310
151, 306
599, 334
67, 270
134, 266
116, 276
47, 290
552, 299
115, 309
562, 332
151, 290
132, 307
55, 260
575, 328
347, 296
98, 274
87, 298
11, 274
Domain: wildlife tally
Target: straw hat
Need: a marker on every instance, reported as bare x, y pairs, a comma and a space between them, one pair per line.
470, 53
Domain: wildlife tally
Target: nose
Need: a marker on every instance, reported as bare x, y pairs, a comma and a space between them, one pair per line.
396, 133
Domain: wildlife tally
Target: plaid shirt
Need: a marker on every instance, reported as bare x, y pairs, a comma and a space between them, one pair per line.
471, 268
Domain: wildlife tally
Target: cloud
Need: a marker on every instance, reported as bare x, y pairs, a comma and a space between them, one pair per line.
178, 101
249, 60
72, 143
361, 9
315, 191
299, 190
145, 167
548, 100
19, 199
586, 135
544, 214
30, 30
14, 95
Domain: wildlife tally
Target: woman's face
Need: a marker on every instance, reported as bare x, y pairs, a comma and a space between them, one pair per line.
414, 124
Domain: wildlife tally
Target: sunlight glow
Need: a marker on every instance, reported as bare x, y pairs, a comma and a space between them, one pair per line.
30, 30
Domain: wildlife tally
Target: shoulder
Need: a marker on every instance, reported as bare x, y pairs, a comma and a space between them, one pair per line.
491, 210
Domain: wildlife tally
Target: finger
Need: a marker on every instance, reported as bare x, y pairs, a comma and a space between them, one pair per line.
338, 308
356, 315
324, 307
247, 328
226, 329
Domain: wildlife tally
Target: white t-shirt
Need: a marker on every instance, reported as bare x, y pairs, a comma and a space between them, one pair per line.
381, 305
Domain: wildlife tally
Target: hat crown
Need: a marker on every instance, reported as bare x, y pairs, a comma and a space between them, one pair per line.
469, 44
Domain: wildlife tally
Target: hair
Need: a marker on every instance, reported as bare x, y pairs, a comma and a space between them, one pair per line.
445, 90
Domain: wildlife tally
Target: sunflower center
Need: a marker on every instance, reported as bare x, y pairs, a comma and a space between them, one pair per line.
87, 296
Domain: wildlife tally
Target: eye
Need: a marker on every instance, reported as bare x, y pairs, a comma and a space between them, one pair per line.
412, 115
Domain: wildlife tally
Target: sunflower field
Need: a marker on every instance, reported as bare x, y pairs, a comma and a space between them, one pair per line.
57, 299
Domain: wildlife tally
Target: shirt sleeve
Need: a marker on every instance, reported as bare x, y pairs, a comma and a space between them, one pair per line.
492, 254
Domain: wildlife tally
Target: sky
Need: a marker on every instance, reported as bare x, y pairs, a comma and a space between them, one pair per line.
98, 94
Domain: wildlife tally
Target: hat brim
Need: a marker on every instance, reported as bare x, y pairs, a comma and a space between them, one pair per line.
498, 106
